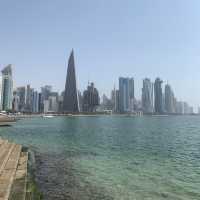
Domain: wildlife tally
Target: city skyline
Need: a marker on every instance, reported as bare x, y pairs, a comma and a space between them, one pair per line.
154, 100
122, 39
71, 68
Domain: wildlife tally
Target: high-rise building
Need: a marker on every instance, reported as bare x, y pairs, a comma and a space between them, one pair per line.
46, 91
7, 88
186, 108
21, 93
147, 96
29, 99
169, 100
158, 96
117, 104
46, 106
60, 102
90, 99
40, 103
35, 102
15, 102
126, 94
53, 103
131, 88
71, 103
106, 103
179, 107
191, 110
44, 96
114, 100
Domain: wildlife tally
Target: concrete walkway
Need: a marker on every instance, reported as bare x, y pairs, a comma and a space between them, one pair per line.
13, 171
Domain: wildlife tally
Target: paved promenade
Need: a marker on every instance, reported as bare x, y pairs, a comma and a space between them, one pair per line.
13, 171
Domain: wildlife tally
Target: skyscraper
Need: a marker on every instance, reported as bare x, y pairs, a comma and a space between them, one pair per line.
15, 102
180, 107
44, 96
35, 102
90, 99
29, 98
21, 92
169, 100
126, 94
186, 108
114, 100
158, 96
40, 104
147, 96
53, 103
117, 105
7, 88
46, 91
71, 103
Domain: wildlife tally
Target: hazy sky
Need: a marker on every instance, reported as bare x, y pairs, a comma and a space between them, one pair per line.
111, 38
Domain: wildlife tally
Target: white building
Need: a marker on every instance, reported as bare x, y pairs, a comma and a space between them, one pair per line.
46, 106
53, 104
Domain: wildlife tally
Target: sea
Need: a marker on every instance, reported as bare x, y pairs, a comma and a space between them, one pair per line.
113, 157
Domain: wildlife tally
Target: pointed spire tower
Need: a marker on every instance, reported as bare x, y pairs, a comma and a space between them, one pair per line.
71, 103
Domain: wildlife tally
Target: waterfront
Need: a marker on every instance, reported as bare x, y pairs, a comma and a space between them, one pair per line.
107, 157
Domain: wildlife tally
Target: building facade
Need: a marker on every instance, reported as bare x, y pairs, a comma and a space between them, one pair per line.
15, 102
53, 104
29, 99
170, 101
35, 102
71, 100
7, 88
126, 94
21, 92
147, 96
90, 99
158, 96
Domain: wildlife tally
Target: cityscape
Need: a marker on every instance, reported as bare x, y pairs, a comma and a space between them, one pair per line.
154, 99
99, 100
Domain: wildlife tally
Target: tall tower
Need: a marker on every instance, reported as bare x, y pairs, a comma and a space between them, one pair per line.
126, 94
71, 103
7, 88
147, 96
169, 99
158, 96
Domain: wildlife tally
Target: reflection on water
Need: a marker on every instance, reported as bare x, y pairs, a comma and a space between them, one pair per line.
117, 158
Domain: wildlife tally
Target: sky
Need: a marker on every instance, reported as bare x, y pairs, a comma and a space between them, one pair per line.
110, 38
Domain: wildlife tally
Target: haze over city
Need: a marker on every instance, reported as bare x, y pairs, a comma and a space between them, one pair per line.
111, 39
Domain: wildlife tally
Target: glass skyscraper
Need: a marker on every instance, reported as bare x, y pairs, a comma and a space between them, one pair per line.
126, 94
158, 96
7, 88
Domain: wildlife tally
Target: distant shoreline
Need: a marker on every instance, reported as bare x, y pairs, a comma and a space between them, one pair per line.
97, 115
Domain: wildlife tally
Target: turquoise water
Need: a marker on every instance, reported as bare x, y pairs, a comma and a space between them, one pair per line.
113, 158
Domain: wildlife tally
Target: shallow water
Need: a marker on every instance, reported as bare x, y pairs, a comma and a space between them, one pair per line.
119, 158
